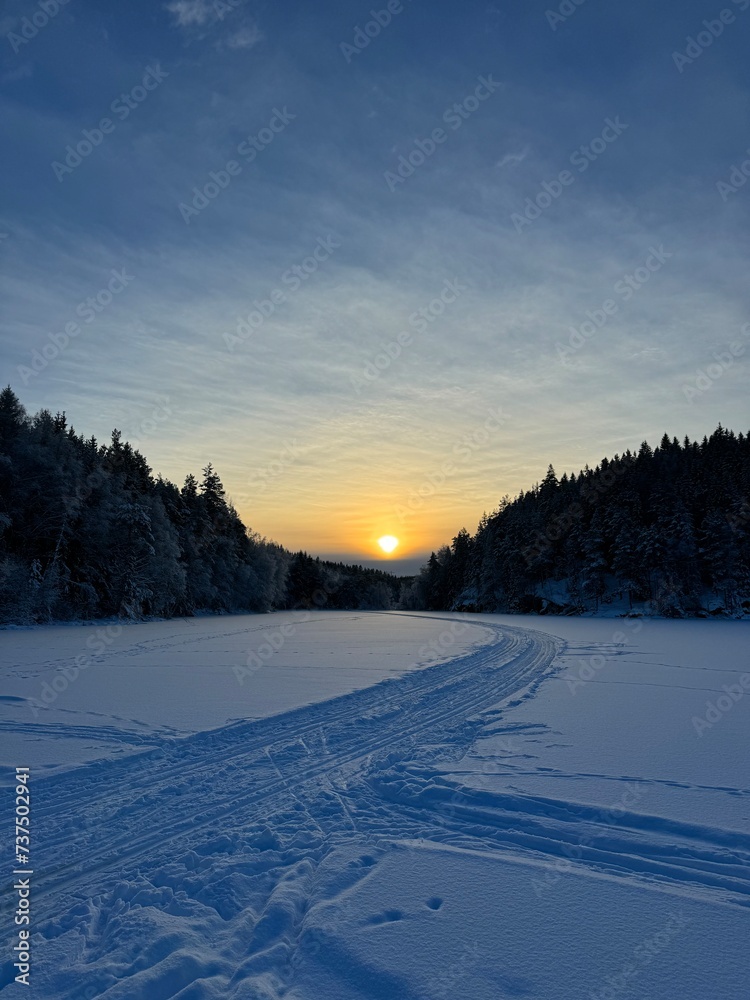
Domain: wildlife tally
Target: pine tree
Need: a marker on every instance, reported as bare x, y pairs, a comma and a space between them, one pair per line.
12, 416
595, 564
720, 554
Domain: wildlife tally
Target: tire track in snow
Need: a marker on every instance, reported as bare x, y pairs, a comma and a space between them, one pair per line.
676, 855
249, 736
444, 694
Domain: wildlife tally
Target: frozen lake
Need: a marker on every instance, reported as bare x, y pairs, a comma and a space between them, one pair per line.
396, 805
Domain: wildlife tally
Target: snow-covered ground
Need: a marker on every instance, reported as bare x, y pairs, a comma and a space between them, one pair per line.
386, 806
72, 694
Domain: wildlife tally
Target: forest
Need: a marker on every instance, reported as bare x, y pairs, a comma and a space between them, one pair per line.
666, 530
87, 531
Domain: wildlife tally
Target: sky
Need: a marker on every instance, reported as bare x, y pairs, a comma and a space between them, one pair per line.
381, 265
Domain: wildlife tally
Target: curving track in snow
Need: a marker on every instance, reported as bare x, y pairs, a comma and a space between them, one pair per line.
241, 837
106, 816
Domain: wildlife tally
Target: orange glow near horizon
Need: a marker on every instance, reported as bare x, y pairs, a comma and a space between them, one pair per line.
370, 480
353, 535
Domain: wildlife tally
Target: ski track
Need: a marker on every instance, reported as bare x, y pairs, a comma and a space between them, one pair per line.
272, 800
87, 805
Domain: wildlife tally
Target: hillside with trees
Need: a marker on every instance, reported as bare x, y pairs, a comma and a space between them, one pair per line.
87, 531
666, 530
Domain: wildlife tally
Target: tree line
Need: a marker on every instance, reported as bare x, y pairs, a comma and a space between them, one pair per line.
87, 531
664, 530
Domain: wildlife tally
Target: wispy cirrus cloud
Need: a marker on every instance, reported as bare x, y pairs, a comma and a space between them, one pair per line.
194, 15
191, 12
246, 38
513, 157
291, 381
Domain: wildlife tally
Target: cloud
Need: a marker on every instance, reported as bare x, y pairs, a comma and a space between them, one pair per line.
649, 354
513, 158
246, 38
292, 380
189, 12
201, 13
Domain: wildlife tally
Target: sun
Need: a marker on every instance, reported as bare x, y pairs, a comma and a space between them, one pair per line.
388, 543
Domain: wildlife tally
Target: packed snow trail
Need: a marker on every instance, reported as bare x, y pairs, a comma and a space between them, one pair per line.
257, 860
228, 775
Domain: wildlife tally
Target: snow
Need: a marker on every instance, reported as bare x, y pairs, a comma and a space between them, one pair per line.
527, 809
140, 684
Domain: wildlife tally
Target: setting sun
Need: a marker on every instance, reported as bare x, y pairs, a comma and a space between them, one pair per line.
388, 543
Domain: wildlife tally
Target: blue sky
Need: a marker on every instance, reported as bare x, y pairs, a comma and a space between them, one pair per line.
327, 429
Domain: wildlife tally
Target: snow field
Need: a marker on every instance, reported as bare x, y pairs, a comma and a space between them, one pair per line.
477, 828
